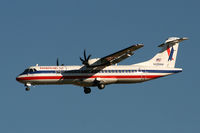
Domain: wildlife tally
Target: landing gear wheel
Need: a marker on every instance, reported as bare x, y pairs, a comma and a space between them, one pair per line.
27, 89
87, 90
27, 85
101, 86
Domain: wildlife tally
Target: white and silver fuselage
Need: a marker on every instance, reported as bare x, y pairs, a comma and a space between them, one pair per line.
86, 77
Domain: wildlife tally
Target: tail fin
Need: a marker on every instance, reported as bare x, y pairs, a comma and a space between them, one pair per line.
167, 56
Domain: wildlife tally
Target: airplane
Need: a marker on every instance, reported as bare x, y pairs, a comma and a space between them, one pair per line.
99, 72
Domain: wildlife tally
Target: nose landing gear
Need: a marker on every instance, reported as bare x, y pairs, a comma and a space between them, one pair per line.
28, 85
27, 89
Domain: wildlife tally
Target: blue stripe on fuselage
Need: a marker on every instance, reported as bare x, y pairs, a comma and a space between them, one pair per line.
162, 71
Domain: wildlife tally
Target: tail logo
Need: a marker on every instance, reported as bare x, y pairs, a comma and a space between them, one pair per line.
170, 53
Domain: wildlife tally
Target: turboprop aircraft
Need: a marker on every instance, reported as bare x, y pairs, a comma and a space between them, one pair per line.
99, 72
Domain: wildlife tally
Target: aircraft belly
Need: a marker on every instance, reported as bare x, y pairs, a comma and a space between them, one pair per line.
90, 81
51, 81
129, 80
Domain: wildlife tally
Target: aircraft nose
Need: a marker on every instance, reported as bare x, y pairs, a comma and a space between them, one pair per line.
17, 78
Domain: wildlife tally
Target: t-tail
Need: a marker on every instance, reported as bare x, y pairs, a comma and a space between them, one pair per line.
167, 56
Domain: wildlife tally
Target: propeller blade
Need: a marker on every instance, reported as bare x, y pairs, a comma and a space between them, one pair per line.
88, 57
85, 54
81, 59
57, 62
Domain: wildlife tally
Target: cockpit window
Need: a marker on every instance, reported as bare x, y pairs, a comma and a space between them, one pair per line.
26, 71
30, 70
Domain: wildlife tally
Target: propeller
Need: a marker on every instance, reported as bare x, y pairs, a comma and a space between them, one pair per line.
86, 59
57, 62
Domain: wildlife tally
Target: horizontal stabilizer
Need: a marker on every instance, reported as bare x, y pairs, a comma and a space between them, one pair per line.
167, 55
173, 40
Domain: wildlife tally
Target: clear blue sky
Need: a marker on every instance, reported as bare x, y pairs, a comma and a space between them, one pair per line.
39, 31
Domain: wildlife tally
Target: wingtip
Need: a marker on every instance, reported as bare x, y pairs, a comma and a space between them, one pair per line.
140, 44
185, 38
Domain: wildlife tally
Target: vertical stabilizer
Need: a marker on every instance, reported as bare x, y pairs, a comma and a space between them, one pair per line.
167, 56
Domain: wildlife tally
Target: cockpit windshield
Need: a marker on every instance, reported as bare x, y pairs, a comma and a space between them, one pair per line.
29, 71
26, 71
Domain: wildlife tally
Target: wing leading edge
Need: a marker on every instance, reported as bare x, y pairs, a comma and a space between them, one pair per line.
117, 56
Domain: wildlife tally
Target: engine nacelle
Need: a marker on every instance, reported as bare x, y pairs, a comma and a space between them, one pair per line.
94, 62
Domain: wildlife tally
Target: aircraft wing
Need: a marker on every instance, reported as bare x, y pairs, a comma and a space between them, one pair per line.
119, 56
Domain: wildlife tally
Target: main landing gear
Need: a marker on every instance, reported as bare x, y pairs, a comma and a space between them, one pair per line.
101, 86
87, 90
